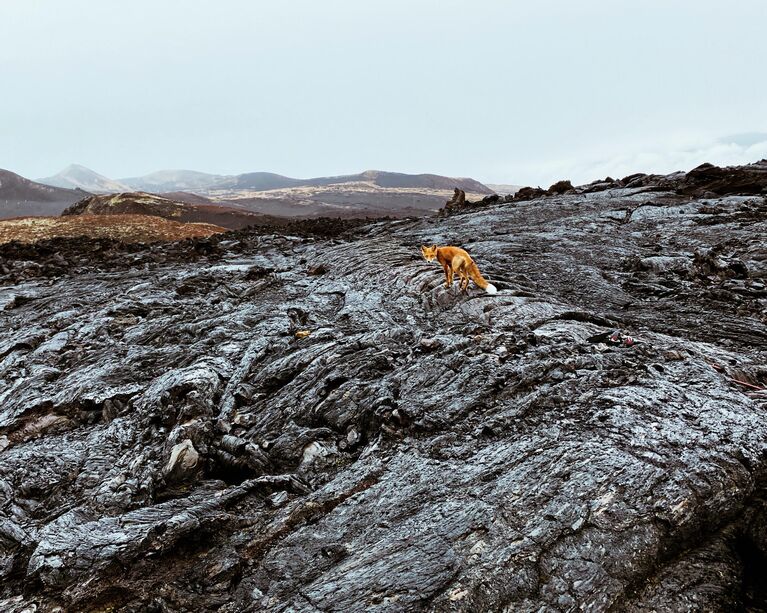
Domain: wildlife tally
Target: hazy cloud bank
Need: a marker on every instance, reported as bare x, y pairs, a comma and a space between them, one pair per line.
735, 149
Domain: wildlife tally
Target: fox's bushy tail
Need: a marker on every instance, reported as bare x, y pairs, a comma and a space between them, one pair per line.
481, 282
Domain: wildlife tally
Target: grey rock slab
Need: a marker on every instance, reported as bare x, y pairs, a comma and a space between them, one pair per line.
168, 442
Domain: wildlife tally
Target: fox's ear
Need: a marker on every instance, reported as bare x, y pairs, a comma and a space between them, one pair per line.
434, 247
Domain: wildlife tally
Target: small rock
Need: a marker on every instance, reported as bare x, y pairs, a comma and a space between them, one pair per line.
457, 594
125, 320
108, 411
430, 344
278, 499
352, 437
183, 459
313, 451
316, 271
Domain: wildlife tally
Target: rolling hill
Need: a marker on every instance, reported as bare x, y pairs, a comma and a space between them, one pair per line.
172, 181
142, 203
20, 196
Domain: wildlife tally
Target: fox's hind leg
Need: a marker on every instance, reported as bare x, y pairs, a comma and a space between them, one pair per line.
464, 279
463, 273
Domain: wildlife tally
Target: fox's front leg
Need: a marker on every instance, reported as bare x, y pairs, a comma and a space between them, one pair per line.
448, 275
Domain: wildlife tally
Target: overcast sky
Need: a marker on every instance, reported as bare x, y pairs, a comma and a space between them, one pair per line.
501, 90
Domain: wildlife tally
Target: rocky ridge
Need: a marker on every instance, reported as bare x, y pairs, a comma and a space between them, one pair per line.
704, 181
305, 419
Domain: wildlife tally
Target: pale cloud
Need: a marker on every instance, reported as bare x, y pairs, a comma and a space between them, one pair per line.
673, 156
505, 92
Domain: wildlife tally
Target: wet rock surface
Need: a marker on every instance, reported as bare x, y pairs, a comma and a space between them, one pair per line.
172, 440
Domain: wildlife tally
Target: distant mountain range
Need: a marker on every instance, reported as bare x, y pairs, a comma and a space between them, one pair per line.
236, 200
76, 176
263, 181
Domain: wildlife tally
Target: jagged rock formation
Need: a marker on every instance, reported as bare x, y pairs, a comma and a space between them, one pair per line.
456, 203
705, 181
561, 187
271, 422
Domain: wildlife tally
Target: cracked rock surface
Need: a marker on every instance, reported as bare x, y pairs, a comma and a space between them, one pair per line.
168, 442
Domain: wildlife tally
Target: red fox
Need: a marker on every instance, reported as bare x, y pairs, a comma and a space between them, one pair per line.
455, 259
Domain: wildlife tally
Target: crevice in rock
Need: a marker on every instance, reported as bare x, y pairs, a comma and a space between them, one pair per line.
754, 574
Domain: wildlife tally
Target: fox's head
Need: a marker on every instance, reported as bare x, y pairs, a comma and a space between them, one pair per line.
429, 253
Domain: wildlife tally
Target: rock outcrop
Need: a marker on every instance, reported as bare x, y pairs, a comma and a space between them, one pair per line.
456, 203
263, 421
561, 187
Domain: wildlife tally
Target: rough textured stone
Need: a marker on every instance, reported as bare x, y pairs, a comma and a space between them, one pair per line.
419, 450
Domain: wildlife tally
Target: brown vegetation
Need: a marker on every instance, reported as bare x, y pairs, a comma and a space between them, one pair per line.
125, 228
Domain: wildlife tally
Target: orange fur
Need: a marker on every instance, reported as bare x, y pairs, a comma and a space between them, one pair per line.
455, 260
